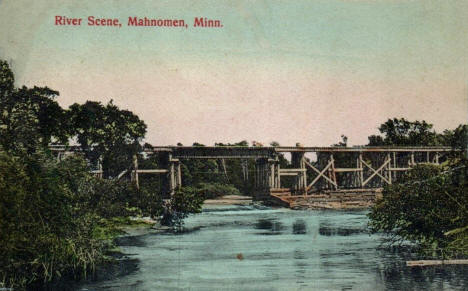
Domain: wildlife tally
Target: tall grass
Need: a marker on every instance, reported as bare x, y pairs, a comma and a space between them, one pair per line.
53, 218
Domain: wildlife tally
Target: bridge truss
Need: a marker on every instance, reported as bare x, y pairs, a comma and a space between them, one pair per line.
313, 169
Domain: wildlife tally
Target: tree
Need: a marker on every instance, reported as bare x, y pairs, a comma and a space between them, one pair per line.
185, 200
7, 80
343, 142
236, 171
428, 207
45, 234
457, 138
56, 216
402, 132
107, 133
30, 117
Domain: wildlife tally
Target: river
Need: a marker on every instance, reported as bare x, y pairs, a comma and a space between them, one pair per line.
253, 247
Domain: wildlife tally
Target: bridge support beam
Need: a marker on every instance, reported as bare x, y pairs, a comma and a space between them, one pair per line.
173, 174
336, 167
134, 173
277, 174
262, 169
298, 162
267, 176
328, 173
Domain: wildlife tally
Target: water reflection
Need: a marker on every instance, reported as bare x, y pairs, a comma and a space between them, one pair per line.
299, 227
397, 276
299, 255
281, 250
273, 226
130, 241
301, 267
334, 230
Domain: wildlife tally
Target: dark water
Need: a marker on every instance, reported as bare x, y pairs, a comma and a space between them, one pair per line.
247, 248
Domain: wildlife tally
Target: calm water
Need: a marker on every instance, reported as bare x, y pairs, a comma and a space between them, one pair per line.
257, 248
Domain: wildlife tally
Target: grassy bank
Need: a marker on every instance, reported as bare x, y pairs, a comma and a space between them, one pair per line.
57, 220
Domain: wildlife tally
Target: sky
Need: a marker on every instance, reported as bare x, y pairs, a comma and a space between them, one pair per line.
285, 71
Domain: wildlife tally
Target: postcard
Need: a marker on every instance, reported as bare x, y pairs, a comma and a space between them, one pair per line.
239, 145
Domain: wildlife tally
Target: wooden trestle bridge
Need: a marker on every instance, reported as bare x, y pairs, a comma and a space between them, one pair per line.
314, 170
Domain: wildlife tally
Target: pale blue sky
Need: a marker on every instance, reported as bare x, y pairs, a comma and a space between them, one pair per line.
289, 71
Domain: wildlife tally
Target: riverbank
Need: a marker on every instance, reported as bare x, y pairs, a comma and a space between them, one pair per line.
246, 247
327, 200
330, 199
230, 200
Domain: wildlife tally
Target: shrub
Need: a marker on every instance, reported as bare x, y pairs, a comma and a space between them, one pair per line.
53, 217
44, 235
184, 201
428, 207
214, 190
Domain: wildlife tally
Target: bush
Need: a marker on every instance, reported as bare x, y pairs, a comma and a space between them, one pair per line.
108, 198
187, 200
184, 201
44, 235
214, 190
428, 207
190, 199
53, 217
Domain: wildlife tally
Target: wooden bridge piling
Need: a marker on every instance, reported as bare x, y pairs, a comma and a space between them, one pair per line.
335, 169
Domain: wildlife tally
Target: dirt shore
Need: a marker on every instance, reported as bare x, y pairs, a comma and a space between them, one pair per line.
229, 200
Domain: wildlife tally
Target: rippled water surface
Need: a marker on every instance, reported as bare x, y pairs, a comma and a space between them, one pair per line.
257, 248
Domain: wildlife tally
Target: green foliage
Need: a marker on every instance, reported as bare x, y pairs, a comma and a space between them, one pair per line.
107, 198
54, 217
214, 190
107, 132
44, 235
404, 133
401, 132
197, 171
227, 172
184, 201
457, 138
7, 79
428, 207
29, 117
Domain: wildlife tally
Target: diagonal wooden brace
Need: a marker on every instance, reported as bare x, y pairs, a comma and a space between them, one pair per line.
376, 172
320, 174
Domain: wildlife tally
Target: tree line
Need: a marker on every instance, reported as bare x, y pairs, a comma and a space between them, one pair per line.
57, 219
428, 206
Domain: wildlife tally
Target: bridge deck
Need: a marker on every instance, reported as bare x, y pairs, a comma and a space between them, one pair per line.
232, 152
366, 168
